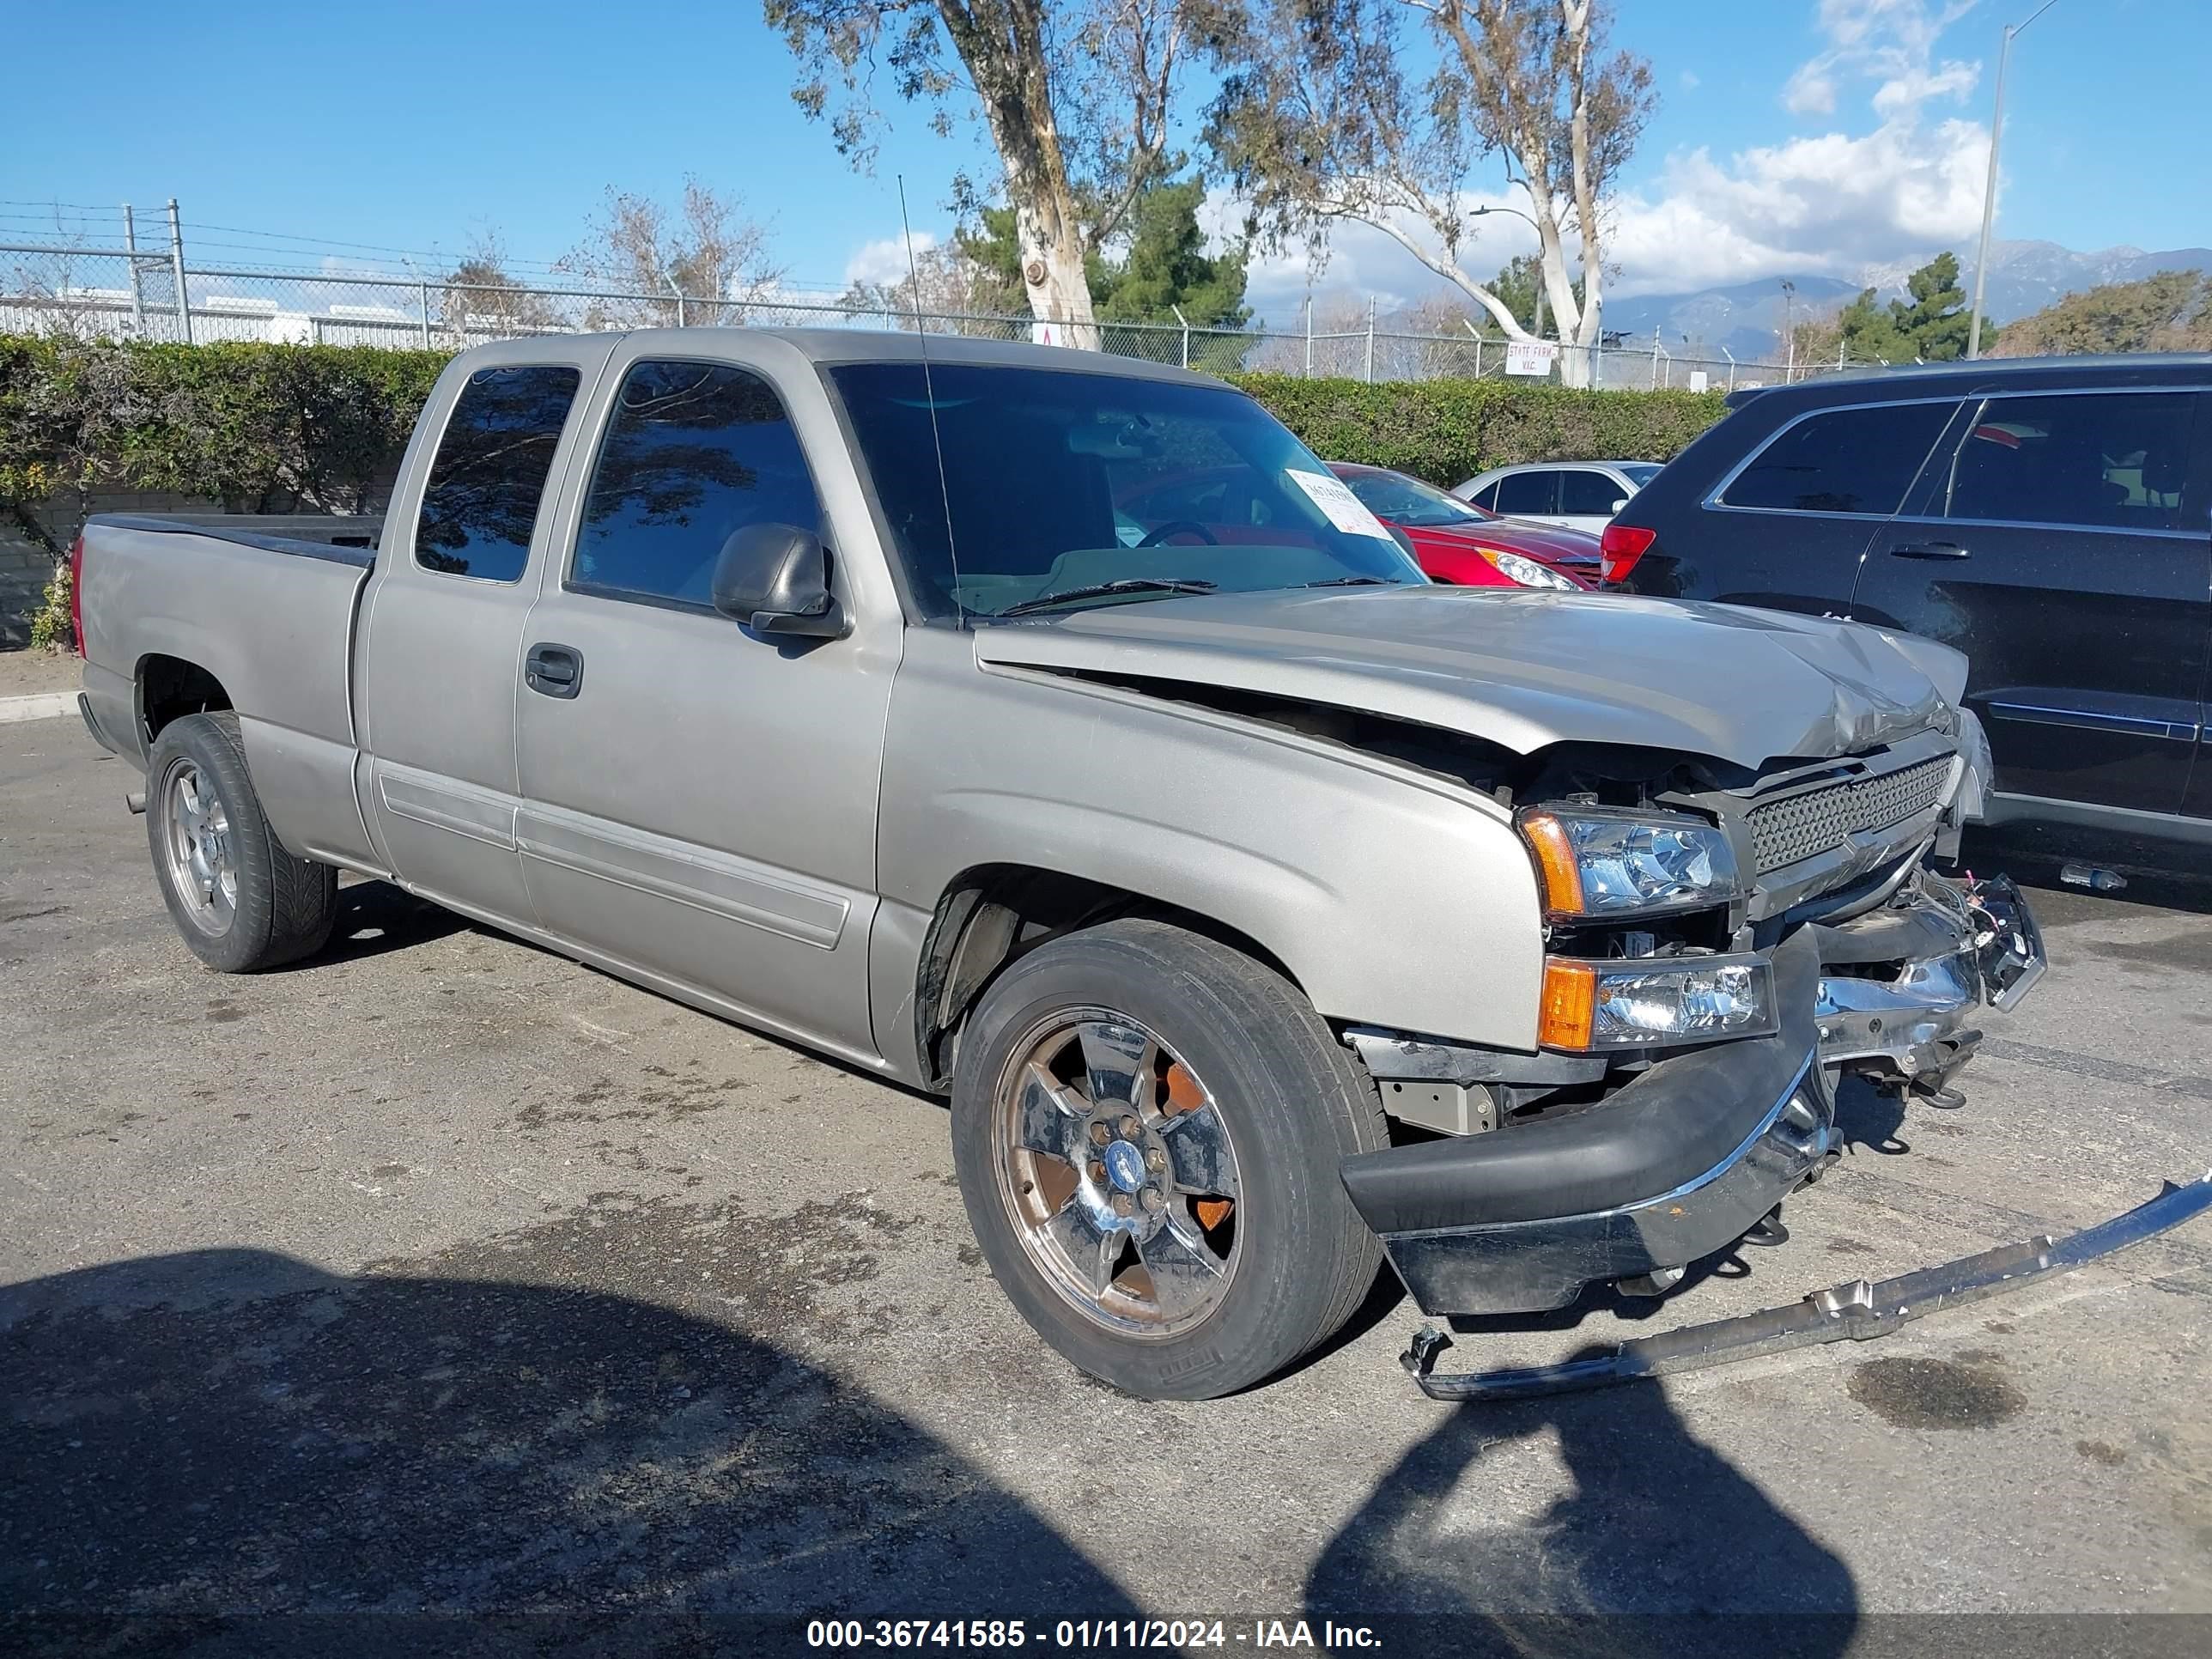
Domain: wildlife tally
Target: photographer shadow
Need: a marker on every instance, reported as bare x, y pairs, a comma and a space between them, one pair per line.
231, 1451
1665, 1548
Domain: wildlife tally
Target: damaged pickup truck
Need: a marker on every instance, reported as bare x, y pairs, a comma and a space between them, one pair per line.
1056, 733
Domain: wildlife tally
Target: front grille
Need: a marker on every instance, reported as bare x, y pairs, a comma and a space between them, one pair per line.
1785, 832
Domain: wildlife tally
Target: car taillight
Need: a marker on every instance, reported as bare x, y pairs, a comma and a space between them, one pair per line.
1621, 546
77, 593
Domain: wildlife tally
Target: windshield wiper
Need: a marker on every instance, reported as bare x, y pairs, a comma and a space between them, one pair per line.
1355, 582
1102, 590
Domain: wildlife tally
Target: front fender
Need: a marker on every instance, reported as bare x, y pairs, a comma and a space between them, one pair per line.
1393, 898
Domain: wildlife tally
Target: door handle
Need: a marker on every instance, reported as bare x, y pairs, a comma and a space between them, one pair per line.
554, 670
1928, 551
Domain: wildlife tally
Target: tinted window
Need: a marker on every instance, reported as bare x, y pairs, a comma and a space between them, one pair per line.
1640, 473
485, 486
1526, 492
693, 451
1850, 460
1202, 498
1485, 498
2115, 461
1053, 479
1592, 493
1401, 500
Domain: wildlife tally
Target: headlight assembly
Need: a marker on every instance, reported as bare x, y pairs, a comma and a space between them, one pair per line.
1653, 1002
1601, 864
1519, 567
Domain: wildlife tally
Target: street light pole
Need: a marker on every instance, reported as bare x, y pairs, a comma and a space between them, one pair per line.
1990, 184
1478, 212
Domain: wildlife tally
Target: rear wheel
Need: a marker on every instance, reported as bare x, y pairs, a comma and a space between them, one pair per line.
241, 901
1147, 1126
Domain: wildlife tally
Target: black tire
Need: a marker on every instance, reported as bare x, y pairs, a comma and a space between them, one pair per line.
285, 906
1296, 1103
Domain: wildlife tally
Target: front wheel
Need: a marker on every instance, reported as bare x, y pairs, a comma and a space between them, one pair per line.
1147, 1126
242, 902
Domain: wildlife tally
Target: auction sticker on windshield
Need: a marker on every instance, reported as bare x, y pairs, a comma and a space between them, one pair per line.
1343, 509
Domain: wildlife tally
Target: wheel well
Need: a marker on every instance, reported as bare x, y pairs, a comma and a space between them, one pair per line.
169, 688
994, 913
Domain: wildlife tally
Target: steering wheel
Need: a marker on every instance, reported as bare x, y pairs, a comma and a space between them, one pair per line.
1177, 527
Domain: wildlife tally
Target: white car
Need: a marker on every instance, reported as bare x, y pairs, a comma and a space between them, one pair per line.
1581, 494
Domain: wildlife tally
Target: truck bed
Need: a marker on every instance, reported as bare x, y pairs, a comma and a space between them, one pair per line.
346, 539
269, 616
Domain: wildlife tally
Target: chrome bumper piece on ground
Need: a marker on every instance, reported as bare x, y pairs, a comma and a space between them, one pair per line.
1856, 1312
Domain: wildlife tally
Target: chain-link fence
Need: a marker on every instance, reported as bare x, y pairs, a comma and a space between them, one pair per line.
113, 293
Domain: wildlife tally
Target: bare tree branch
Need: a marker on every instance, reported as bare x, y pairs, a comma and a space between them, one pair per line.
709, 251
1077, 95
1319, 118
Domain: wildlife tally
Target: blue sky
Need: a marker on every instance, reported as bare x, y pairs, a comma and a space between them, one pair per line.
1792, 135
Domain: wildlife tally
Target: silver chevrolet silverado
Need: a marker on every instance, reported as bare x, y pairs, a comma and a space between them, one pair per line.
1055, 732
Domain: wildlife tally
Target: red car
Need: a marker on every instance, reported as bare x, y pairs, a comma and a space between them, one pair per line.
1458, 541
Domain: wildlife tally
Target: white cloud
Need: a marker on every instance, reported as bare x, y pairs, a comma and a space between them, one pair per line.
1889, 42
1809, 92
1835, 202
884, 261
1690, 81
1833, 205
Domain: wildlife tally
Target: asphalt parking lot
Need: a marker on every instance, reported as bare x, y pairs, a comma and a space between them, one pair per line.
443, 1272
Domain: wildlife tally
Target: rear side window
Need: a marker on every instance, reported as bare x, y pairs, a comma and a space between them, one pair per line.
1591, 494
488, 478
693, 453
2113, 461
1849, 460
1528, 492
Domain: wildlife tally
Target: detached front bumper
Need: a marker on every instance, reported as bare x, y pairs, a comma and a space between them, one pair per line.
1691, 1154
1858, 1311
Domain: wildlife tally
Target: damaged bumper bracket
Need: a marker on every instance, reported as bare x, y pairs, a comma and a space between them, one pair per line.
1858, 1311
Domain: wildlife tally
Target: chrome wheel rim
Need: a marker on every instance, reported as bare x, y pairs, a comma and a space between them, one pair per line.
1115, 1166
196, 832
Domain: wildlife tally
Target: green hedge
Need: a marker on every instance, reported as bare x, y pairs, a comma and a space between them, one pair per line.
1446, 431
261, 428
281, 428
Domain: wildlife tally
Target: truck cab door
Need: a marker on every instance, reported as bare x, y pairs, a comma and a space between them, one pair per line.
698, 801
441, 635
2047, 540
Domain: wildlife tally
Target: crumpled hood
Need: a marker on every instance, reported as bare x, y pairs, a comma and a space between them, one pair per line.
1526, 669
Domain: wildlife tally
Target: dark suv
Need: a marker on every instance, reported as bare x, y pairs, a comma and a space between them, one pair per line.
2051, 518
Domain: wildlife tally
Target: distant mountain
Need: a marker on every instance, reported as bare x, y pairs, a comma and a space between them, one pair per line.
1747, 318
2025, 277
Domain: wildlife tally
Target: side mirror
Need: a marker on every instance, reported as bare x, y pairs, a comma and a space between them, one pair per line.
1622, 503
775, 578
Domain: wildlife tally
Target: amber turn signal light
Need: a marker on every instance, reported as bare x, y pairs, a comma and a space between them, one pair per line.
1569, 1008
1555, 857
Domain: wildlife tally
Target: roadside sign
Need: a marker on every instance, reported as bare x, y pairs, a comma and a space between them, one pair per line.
1529, 356
1048, 333
1698, 380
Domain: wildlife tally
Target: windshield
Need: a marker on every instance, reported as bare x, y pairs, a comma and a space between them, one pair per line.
1401, 500
1057, 480
1638, 473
